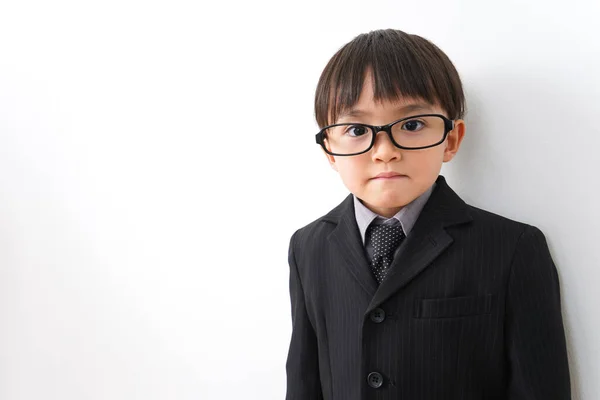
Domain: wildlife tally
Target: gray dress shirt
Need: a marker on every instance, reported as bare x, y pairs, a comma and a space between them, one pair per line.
406, 217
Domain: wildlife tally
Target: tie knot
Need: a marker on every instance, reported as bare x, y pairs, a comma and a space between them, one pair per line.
386, 235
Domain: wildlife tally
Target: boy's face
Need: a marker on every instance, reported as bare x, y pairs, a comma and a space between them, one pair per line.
420, 168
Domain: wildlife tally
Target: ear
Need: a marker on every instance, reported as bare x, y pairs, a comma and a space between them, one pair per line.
331, 159
454, 139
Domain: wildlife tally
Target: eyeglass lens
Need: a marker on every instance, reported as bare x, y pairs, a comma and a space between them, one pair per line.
355, 138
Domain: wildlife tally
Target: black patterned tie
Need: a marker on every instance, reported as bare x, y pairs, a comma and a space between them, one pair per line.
385, 240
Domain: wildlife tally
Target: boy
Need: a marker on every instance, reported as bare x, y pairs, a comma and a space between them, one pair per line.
404, 291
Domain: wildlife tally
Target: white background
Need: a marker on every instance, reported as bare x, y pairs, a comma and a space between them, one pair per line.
155, 158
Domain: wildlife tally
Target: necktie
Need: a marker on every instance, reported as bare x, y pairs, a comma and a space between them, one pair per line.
385, 239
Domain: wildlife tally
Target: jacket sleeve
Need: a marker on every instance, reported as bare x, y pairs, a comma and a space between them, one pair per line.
303, 382
534, 333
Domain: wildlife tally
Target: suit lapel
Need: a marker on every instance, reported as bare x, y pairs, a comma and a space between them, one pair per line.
425, 242
423, 245
346, 237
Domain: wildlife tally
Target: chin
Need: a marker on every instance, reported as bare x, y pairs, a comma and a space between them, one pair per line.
386, 201
391, 198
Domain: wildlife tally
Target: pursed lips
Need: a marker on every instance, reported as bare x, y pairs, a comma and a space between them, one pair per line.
390, 176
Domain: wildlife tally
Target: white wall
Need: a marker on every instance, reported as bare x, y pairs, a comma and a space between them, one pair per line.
155, 158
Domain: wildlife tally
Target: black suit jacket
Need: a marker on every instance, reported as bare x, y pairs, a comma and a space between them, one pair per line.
470, 309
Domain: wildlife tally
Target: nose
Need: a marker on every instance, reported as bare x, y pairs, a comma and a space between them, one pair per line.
383, 148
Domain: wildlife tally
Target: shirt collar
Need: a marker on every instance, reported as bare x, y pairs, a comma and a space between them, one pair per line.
407, 216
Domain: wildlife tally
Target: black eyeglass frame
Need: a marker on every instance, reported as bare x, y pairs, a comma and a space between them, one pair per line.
448, 126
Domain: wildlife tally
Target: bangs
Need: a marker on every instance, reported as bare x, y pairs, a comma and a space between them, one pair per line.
402, 65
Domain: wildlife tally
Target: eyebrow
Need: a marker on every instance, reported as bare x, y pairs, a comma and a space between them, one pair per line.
354, 112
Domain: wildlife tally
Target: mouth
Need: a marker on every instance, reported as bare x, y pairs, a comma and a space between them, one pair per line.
389, 176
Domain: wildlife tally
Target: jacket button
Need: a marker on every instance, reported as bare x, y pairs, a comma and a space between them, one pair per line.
377, 315
375, 380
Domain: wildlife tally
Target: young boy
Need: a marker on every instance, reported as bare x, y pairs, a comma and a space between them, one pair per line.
404, 291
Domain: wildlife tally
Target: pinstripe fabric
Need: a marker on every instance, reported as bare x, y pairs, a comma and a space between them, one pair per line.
471, 305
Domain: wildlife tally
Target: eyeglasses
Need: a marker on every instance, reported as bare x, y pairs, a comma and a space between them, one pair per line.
410, 133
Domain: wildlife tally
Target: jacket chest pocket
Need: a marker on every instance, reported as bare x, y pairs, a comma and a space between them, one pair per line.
452, 307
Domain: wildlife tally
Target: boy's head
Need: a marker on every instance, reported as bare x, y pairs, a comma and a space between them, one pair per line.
378, 78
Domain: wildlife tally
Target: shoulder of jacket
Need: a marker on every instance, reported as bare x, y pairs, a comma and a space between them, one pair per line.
497, 221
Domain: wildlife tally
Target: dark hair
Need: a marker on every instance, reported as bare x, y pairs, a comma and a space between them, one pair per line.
402, 65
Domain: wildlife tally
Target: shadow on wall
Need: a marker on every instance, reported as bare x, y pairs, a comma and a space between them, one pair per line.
518, 144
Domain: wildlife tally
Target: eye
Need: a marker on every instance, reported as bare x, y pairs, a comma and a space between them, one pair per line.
413, 125
357, 130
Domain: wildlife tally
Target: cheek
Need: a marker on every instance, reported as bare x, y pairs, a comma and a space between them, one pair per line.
427, 159
352, 172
